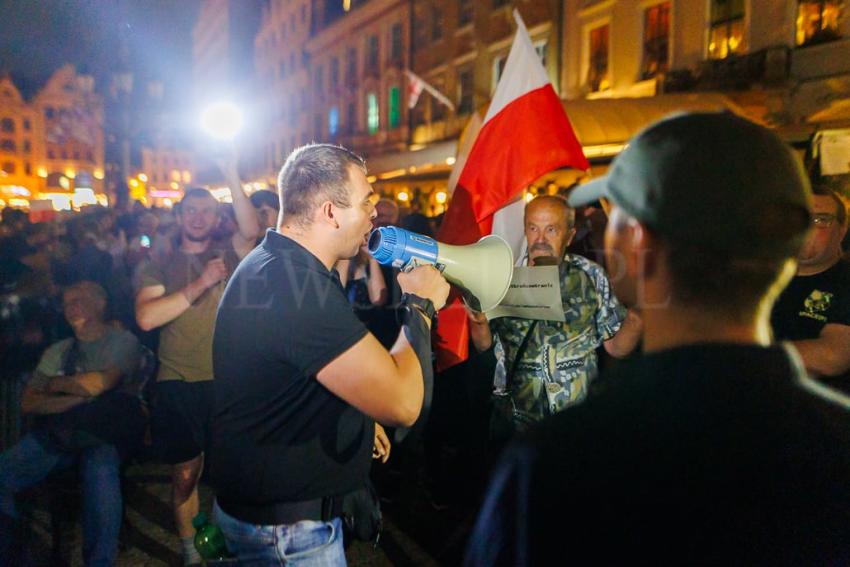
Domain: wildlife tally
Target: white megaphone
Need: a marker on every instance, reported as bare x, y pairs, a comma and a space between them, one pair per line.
483, 269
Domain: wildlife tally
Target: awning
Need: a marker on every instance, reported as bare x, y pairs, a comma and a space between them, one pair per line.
439, 155
603, 126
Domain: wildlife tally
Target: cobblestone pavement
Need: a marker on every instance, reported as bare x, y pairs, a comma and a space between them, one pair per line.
149, 539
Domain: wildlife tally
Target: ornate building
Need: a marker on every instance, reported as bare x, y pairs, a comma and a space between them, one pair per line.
52, 147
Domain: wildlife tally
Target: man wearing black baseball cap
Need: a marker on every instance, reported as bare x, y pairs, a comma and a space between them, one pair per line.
714, 446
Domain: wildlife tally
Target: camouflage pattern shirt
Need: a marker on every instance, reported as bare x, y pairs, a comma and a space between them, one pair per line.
560, 359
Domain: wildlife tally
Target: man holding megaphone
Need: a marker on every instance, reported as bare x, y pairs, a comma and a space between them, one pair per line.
299, 379
544, 366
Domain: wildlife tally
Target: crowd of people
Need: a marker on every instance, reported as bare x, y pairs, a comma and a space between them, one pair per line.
261, 341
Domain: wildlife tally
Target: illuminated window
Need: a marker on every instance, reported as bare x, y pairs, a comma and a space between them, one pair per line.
373, 113
394, 111
598, 78
817, 21
175, 175
656, 40
726, 34
333, 121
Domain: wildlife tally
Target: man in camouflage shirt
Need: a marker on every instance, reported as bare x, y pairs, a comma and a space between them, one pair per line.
559, 360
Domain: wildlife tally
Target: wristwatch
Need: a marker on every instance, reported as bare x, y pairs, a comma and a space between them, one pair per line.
426, 306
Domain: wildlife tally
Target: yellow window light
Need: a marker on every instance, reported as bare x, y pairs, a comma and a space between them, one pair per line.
187, 177
42, 172
98, 173
70, 173
175, 185
134, 183
175, 175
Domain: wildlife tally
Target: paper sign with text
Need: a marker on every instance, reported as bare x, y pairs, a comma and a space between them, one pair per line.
535, 293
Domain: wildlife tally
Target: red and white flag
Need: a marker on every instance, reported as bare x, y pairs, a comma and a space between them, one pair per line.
525, 134
417, 84
414, 88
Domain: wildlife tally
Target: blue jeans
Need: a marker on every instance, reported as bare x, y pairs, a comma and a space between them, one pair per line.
305, 544
32, 459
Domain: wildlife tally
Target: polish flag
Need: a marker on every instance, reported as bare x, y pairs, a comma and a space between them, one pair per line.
524, 134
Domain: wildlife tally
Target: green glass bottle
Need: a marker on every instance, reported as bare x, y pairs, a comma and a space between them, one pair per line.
209, 540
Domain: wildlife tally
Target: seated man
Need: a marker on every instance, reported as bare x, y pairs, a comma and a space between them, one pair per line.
72, 374
545, 366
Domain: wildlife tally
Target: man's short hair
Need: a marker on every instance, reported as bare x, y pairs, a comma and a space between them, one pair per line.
313, 174
195, 192
265, 197
558, 201
840, 207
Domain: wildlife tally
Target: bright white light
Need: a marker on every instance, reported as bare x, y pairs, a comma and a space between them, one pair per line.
403, 196
221, 120
441, 197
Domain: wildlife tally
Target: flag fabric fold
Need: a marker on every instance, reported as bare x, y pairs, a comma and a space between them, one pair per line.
525, 134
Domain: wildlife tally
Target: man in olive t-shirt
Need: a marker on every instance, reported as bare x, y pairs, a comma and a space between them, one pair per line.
180, 295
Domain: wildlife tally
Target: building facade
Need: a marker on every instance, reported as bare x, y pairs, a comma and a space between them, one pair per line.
52, 147
784, 63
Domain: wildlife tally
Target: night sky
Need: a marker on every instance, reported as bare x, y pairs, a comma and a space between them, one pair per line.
39, 36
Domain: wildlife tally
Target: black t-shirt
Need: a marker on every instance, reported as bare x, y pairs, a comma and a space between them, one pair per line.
278, 435
810, 302
705, 454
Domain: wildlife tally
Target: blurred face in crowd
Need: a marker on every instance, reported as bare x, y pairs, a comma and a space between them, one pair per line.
83, 306
355, 221
547, 230
198, 217
267, 216
823, 246
387, 214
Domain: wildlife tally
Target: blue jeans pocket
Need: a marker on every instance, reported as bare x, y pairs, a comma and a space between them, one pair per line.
312, 540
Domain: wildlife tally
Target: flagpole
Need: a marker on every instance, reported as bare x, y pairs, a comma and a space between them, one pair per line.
410, 51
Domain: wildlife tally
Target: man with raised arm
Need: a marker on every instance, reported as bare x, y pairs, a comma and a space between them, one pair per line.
180, 294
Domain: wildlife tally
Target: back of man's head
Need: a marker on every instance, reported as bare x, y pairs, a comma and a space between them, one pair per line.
312, 175
728, 200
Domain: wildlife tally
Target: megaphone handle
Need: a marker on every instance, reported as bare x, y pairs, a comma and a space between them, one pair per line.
415, 263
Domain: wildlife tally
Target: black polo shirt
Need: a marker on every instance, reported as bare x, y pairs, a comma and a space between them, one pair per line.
278, 435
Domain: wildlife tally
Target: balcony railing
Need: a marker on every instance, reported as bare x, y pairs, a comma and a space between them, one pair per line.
766, 67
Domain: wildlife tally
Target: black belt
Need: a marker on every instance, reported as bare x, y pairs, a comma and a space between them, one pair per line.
318, 509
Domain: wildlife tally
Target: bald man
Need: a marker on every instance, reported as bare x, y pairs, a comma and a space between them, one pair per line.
543, 367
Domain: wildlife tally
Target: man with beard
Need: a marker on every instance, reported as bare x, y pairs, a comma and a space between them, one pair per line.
546, 366
814, 310
179, 294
